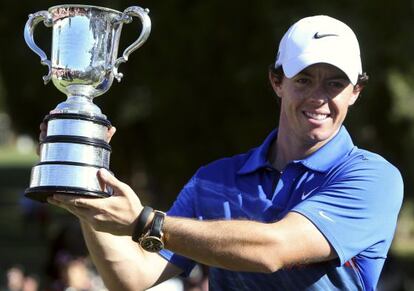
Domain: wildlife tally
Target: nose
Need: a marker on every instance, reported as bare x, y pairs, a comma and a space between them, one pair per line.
319, 94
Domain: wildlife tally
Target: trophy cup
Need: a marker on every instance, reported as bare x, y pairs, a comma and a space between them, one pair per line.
83, 65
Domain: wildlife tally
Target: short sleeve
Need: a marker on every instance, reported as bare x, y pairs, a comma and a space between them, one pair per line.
357, 210
182, 207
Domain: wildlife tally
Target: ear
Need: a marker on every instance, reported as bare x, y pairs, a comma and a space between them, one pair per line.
276, 82
355, 94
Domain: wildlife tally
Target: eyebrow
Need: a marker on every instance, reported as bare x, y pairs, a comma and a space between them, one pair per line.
336, 76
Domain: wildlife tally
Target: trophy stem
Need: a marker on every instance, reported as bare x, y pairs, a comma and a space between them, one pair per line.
79, 105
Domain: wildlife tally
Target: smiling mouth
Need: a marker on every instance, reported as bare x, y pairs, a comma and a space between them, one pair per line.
316, 116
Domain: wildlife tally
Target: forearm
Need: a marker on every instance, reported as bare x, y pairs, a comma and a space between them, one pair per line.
238, 245
119, 260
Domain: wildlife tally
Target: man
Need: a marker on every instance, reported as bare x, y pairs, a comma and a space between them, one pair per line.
306, 210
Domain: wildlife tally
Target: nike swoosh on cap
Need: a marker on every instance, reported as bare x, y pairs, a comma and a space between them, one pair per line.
321, 35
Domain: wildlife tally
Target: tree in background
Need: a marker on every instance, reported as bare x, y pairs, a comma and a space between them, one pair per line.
198, 89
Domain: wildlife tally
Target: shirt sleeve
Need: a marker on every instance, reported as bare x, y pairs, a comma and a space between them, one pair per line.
182, 207
357, 211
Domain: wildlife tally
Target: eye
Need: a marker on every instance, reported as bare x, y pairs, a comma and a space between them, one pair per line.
337, 84
303, 81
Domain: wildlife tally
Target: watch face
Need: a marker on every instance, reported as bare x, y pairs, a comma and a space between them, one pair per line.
152, 244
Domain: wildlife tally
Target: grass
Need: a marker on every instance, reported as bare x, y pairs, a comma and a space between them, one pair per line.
11, 156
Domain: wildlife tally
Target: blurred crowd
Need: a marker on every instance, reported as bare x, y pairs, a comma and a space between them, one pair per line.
77, 274
67, 266
17, 280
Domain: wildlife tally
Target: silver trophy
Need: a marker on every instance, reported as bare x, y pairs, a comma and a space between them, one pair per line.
83, 65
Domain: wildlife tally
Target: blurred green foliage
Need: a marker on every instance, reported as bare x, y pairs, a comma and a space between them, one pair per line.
198, 89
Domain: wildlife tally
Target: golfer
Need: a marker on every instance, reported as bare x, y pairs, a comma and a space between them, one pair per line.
305, 210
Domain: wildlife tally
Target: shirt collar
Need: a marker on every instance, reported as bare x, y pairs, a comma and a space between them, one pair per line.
258, 157
321, 160
327, 156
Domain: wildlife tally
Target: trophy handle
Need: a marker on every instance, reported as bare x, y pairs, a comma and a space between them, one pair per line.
142, 14
31, 23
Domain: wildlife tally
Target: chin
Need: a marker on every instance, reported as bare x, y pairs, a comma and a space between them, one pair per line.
320, 136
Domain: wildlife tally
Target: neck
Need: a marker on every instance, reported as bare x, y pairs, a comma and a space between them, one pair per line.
287, 148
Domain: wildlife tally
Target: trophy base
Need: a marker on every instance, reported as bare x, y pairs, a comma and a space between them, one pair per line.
41, 193
71, 155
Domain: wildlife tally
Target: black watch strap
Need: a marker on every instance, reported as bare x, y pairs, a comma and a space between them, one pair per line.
157, 223
141, 222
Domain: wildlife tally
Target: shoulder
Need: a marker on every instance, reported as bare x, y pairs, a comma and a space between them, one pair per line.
360, 161
369, 174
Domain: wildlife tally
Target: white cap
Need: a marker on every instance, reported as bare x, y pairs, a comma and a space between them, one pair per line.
319, 39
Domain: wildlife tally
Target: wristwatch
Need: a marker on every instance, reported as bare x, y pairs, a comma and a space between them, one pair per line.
141, 223
152, 241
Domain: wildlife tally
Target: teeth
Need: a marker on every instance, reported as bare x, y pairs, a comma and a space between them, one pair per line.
316, 116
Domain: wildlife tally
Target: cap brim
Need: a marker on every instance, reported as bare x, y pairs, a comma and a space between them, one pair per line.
293, 66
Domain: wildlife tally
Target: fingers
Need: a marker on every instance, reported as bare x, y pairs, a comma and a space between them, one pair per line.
43, 131
111, 133
81, 213
43, 126
64, 200
105, 178
42, 135
74, 201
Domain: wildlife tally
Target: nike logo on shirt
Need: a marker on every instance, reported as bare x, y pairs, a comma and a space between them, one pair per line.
304, 194
322, 214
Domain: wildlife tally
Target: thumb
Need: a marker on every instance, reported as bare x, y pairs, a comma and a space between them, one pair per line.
107, 179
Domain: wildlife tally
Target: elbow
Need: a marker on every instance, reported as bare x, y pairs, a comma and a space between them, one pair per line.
255, 263
265, 262
272, 253
270, 266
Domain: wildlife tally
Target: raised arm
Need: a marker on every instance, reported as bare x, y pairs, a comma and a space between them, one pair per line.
122, 264
242, 245
238, 245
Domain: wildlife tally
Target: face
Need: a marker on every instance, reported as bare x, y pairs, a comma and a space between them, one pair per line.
314, 103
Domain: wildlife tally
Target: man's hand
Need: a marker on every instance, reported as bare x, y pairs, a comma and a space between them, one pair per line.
115, 214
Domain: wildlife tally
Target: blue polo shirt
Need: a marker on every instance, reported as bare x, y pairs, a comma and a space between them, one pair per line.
351, 195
